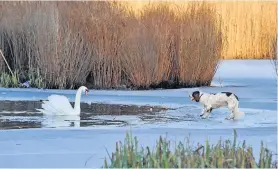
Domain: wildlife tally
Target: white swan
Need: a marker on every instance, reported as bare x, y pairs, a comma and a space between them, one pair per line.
60, 105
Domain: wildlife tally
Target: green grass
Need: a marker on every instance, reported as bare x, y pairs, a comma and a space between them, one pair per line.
36, 79
225, 154
8, 80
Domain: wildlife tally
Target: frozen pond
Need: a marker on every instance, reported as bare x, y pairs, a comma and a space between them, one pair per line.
31, 139
23, 114
171, 108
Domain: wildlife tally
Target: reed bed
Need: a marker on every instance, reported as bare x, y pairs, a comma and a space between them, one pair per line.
225, 154
111, 45
105, 45
248, 33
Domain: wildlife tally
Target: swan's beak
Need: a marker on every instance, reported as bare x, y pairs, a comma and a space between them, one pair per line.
86, 92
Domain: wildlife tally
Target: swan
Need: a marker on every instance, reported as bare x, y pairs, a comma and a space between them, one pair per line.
60, 105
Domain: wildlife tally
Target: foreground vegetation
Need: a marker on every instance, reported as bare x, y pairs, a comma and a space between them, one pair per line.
225, 154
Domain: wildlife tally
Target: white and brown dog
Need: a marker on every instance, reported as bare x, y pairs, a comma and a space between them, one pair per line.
213, 101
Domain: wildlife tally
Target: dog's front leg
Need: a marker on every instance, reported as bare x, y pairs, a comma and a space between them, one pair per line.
209, 109
203, 111
206, 111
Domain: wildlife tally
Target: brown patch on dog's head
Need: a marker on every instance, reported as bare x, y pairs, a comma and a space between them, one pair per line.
195, 96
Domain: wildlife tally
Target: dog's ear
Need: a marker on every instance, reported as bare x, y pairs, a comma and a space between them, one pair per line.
196, 96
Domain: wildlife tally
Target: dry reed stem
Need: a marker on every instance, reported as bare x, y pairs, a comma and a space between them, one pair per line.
6, 62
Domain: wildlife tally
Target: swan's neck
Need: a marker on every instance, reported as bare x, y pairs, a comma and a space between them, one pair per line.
77, 101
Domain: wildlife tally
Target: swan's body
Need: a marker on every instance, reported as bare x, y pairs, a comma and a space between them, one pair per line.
60, 105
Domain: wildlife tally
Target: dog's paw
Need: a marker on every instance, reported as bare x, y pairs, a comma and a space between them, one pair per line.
205, 116
229, 118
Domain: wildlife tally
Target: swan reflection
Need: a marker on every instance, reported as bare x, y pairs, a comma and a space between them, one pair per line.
61, 121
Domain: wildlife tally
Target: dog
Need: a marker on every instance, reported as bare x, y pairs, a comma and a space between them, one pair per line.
217, 100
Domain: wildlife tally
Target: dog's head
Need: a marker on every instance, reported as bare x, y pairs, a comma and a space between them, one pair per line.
195, 96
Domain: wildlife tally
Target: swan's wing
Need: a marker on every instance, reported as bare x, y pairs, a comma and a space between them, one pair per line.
57, 104
47, 108
60, 103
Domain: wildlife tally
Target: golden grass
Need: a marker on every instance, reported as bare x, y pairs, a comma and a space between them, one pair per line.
248, 26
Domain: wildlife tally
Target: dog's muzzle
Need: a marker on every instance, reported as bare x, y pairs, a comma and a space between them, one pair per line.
191, 98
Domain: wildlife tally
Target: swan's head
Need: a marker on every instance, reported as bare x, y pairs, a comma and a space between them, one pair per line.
84, 89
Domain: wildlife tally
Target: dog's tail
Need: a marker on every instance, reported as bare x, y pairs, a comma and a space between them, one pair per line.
237, 114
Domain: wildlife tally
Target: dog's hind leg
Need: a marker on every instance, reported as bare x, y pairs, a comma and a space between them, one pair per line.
232, 107
237, 114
